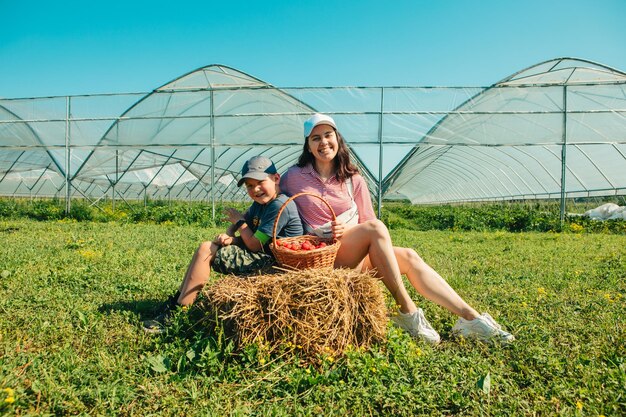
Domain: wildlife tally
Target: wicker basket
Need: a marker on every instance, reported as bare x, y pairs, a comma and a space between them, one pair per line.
304, 259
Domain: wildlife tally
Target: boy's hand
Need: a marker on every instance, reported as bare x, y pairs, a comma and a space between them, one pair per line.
233, 215
223, 239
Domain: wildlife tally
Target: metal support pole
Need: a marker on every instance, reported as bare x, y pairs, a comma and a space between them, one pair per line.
117, 163
380, 152
212, 116
68, 182
563, 155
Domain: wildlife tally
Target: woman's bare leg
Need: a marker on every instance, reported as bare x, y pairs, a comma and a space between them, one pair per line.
197, 273
372, 239
430, 284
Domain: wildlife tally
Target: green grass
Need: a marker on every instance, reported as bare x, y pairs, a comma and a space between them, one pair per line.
74, 293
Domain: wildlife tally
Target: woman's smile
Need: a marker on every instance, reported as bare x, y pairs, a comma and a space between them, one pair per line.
325, 150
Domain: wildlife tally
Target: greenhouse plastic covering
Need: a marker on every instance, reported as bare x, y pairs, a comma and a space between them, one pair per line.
554, 130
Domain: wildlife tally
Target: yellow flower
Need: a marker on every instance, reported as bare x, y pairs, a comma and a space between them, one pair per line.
541, 291
262, 361
330, 359
576, 228
88, 253
579, 405
10, 399
374, 370
419, 352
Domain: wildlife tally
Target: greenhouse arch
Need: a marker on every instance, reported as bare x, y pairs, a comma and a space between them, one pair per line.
556, 129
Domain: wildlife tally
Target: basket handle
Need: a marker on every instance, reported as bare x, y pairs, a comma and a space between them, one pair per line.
293, 197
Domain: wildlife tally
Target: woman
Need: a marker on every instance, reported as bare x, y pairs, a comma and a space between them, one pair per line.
324, 168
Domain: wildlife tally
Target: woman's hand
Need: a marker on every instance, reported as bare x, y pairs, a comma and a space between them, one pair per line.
233, 215
338, 229
223, 239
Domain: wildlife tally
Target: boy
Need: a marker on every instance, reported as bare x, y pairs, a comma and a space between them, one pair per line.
249, 252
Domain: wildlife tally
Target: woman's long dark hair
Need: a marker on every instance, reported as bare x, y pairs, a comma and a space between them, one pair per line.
345, 168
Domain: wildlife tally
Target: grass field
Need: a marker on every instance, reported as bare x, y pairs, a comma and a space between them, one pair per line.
74, 294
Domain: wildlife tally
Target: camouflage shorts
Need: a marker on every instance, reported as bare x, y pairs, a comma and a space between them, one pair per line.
235, 260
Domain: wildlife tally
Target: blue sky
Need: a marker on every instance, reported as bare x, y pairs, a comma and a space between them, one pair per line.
70, 47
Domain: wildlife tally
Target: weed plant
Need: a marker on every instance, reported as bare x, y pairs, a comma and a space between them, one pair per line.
513, 217
74, 294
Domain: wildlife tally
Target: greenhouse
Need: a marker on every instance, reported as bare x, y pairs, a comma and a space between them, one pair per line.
555, 130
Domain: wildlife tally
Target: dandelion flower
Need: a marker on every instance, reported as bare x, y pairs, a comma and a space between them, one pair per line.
579, 405
10, 399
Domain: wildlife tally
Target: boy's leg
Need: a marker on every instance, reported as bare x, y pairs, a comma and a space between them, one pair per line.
197, 273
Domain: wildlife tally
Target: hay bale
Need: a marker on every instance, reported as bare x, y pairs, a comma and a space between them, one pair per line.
319, 311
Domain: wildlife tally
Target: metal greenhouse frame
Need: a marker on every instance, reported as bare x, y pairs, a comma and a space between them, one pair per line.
554, 130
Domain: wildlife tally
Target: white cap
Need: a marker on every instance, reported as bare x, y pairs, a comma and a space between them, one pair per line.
315, 120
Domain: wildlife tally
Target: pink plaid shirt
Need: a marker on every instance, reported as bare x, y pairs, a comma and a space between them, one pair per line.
312, 210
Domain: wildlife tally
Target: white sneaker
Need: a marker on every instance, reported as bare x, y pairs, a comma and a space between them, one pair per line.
483, 328
417, 326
